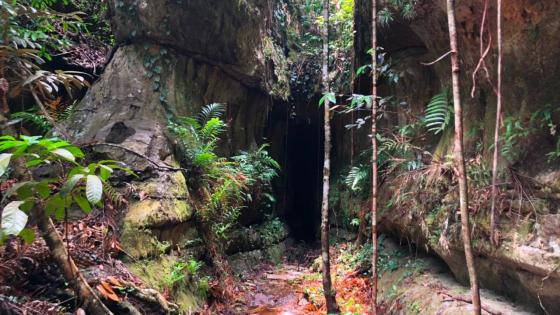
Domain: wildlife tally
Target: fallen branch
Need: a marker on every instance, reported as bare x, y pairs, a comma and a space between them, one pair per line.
468, 299
90, 301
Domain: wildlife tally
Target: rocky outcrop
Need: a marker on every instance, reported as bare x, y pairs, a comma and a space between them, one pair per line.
525, 266
171, 59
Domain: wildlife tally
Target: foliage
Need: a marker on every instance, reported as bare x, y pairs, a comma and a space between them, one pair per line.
224, 185
385, 69
271, 230
404, 8
54, 180
513, 133
32, 32
182, 271
439, 113
358, 178
42, 124
259, 169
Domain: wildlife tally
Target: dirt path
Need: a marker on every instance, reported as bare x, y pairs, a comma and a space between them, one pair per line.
278, 290
417, 286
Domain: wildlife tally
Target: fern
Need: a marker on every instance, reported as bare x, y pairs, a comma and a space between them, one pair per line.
212, 129
214, 110
439, 113
357, 178
37, 120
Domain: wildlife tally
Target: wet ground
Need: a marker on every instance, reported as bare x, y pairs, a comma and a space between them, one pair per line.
293, 287
279, 290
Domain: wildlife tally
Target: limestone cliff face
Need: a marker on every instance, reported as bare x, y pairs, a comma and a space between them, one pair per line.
527, 253
172, 58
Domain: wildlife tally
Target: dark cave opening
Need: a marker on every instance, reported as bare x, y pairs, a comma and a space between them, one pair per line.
299, 130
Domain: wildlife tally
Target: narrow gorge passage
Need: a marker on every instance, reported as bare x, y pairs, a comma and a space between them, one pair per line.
167, 157
410, 285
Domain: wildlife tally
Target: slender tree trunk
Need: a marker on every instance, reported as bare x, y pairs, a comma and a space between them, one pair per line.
493, 235
374, 156
459, 158
90, 301
330, 294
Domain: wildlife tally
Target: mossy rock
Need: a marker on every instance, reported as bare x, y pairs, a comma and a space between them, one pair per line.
155, 274
157, 213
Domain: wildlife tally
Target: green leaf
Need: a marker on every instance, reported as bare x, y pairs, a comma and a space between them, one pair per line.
64, 154
70, 184
94, 189
60, 213
28, 235
54, 205
4, 162
82, 203
13, 219
42, 188
75, 151
331, 97
105, 172
33, 163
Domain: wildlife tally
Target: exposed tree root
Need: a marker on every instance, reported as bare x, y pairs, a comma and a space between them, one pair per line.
151, 296
90, 301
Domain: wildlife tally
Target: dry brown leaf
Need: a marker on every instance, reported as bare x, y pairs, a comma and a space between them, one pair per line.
107, 292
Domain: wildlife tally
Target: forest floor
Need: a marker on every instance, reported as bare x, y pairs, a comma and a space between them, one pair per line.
408, 285
30, 284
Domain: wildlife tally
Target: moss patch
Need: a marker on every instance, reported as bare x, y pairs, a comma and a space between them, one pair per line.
155, 273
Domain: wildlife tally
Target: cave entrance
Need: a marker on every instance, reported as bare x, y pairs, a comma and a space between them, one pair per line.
299, 192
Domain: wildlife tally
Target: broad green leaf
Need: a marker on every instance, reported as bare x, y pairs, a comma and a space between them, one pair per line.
60, 213
70, 184
13, 219
4, 162
54, 205
82, 203
64, 154
75, 151
33, 163
42, 188
94, 189
105, 172
28, 235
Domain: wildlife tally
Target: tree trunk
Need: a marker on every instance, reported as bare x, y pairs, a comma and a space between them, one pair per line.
493, 235
330, 294
459, 158
90, 301
374, 157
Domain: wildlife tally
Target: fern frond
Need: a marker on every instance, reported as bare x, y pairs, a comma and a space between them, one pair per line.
212, 129
37, 120
439, 113
357, 177
214, 110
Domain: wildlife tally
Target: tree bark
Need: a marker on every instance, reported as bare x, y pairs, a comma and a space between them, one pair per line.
374, 170
330, 294
90, 301
493, 218
459, 158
